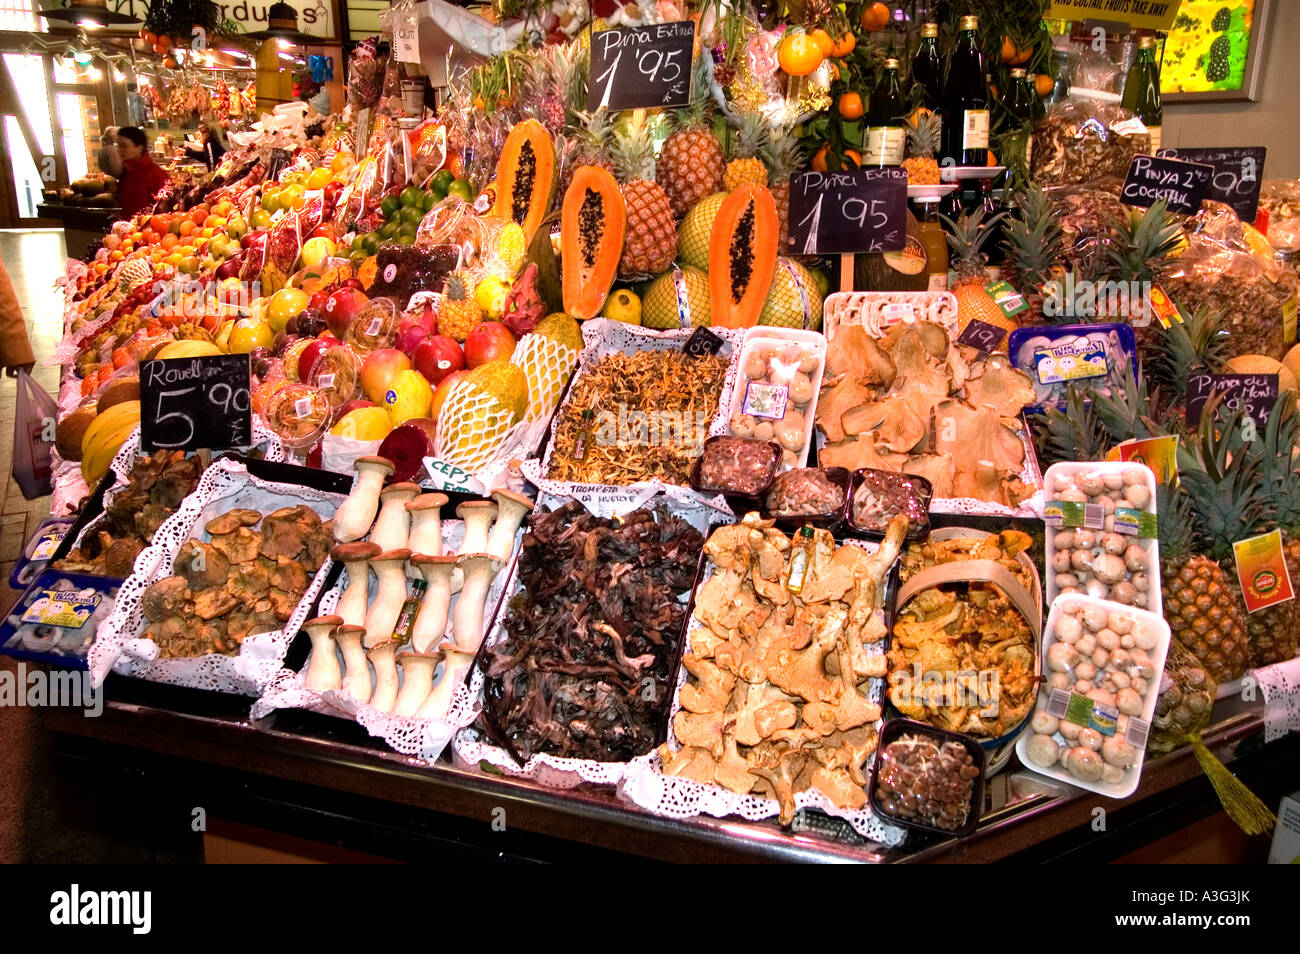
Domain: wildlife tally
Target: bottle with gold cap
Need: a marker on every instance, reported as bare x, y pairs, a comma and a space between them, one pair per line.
927, 67
886, 134
1142, 90
965, 139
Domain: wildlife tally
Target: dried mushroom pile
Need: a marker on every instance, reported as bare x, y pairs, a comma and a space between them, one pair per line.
154, 490
633, 417
914, 403
777, 702
592, 640
248, 579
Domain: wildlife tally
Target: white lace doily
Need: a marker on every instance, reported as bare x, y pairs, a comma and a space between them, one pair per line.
118, 646
603, 337
1280, 684
676, 797
471, 747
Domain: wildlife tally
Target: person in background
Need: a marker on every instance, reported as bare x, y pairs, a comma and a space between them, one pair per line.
110, 159
210, 148
141, 176
15, 348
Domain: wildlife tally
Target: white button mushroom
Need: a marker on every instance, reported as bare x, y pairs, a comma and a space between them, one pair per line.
1141, 601
1100, 657
1138, 495
1061, 561
1096, 589
1134, 476
1086, 644
1062, 482
1119, 753
1108, 639
1104, 696
742, 425
1059, 680
1043, 723
1094, 617
1121, 659
1061, 657
1090, 739
1107, 505
1062, 580
1085, 671
1113, 543
1129, 702
1124, 592
1073, 495
1070, 731
1081, 560
1127, 641
1042, 750
1139, 685
1112, 481
1144, 636
763, 430
1121, 680
1108, 568
1085, 539
1112, 774
1069, 629
1135, 557
1083, 686
1090, 484
1119, 622
1064, 540
1085, 765
801, 389
756, 366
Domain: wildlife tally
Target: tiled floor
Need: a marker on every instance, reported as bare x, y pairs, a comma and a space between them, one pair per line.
34, 259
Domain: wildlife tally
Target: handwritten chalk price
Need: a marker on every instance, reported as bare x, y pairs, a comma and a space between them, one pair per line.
982, 336
860, 210
187, 403
641, 67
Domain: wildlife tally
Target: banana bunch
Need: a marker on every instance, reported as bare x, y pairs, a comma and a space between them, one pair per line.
105, 437
188, 349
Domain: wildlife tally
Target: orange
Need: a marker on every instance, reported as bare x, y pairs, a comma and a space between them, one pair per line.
850, 106
341, 161
186, 226
875, 17
158, 224
844, 45
798, 54
993, 158
1043, 84
853, 157
823, 41
1008, 50
169, 241
1023, 56
819, 159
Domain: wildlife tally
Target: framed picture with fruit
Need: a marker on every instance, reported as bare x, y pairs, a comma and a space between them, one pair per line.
1215, 51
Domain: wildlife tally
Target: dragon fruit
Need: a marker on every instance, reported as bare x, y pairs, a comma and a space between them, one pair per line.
524, 306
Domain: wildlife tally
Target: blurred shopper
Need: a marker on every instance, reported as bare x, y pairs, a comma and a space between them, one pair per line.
142, 178
210, 148
15, 349
109, 159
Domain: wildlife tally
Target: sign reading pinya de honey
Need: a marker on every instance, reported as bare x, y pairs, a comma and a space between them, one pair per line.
1261, 570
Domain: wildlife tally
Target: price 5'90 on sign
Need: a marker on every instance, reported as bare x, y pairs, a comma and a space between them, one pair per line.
641, 67
188, 403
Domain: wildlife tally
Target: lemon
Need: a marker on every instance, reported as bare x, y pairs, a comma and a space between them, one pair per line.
624, 306
491, 296
364, 424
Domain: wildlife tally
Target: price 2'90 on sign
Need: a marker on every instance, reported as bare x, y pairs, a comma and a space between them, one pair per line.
188, 403
641, 67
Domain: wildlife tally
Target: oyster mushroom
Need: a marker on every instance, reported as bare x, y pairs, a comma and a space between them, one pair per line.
392, 528
357, 513
355, 558
323, 671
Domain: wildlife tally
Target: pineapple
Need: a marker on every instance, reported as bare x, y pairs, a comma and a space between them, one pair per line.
1034, 245
922, 144
1142, 240
967, 237
691, 164
745, 165
1194, 344
650, 242
459, 313
783, 157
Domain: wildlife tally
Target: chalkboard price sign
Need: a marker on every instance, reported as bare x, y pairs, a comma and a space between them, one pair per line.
1238, 175
702, 342
860, 210
1181, 184
188, 403
641, 67
1253, 393
982, 336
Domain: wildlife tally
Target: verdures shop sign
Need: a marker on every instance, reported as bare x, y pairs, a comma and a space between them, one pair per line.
314, 16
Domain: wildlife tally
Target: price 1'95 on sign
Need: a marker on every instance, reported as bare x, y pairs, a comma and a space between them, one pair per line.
641, 67
860, 210
188, 403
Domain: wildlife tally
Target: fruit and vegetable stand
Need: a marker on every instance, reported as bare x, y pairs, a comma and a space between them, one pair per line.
525, 452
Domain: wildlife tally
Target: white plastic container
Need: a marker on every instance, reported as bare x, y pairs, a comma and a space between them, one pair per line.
1156, 625
1149, 545
785, 344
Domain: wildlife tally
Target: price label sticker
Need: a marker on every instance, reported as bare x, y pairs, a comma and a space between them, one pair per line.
325, 381
898, 311
766, 400
701, 342
390, 272
982, 336
376, 323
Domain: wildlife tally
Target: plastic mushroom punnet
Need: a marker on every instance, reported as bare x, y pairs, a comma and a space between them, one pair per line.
381, 617
417, 681
323, 671
356, 671
478, 516
426, 524
511, 510
382, 657
431, 621
393, 525
455, 667
467, 618
356, 558
357, 513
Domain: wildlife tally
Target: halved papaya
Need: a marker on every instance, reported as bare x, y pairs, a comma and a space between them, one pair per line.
742, 256
526, 179
592, 222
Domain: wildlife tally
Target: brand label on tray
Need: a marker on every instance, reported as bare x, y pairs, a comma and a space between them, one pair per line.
1070, 362
1070, 513
49, 542
1076, 708
1261, 571
765, 400
1134, 523
62, 608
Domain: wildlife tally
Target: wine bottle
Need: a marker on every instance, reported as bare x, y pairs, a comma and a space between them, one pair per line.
1142, 90
886, 135
966, 102
927, 67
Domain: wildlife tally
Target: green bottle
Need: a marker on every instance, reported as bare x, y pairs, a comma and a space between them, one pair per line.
1142, 90
886, 135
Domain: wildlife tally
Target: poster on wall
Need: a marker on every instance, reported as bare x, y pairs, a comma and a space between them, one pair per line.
315, 17
1215, 51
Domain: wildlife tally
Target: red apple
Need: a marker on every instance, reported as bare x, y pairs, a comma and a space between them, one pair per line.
380, 367
409, 334
341, 307
438, 356
489, 341
348, 406
324, 230
354, 283
254, 239
442, 390
311, 354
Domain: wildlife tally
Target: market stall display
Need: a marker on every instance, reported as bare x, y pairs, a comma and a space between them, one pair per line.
580, 489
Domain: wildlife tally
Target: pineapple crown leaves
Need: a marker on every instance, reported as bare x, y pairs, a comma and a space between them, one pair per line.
1195, 343
1034, 240
1274, 449
1132, 412
1072, 432
752, 136
698, 112
923, 134
782, 151
459, 286
1175, 523
633, 151
969, 232
1141, 241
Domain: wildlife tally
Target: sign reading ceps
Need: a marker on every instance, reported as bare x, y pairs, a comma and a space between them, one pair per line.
315, 17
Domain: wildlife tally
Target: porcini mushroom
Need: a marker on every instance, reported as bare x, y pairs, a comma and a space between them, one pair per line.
417, 681
426, 524
381, 617
355, 557
356, 672
323, 671
478, 516
455, 665
393, 525
357, 513
382, 658
467, 618
511, 510
431, 622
